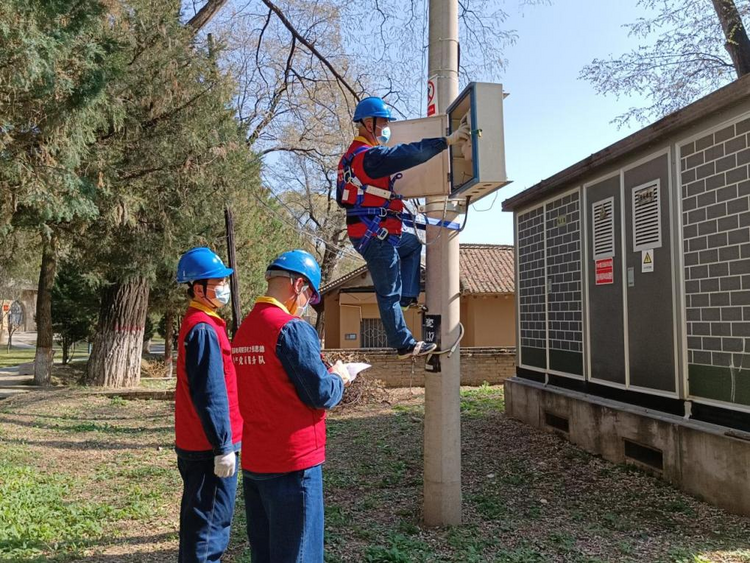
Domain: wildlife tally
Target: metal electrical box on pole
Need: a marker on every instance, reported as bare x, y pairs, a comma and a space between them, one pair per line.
474, 169
442, 423
478, 166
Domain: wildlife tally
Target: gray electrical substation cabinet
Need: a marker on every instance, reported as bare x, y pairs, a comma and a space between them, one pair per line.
474, 169
633, 300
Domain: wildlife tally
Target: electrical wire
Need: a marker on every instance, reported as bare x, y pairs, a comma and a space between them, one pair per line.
440, 232
494, 199
466, 217
339, 249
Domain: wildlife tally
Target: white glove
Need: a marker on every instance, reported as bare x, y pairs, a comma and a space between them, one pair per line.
340, 369
224, 465
460, 135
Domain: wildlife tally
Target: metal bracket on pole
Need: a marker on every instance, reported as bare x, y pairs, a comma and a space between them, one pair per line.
445, 206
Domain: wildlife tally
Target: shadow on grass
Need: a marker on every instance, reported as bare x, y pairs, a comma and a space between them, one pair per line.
86, 425
528, 496
86, 444
99, 417
69, 551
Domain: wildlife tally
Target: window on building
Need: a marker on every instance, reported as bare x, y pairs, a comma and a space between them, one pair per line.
373, 334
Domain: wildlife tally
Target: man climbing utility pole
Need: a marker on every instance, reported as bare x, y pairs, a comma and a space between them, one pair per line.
442, 425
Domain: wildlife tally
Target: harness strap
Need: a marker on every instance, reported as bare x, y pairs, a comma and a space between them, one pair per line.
410, 221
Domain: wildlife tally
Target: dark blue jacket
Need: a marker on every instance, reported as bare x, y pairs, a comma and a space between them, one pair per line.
380, 161
298, 349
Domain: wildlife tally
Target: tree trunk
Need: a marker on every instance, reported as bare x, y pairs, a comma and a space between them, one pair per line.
738, 44
43, 356
116, 355
65, 350
234, 282
168, 339
320, 322
11, 332
328, 265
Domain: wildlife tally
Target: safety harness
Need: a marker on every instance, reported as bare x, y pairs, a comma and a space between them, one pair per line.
371, 217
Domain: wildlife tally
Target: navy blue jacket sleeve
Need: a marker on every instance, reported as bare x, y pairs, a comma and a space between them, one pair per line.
384, 161
298, 349
205, 374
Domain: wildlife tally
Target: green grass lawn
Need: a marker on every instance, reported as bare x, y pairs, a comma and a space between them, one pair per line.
90, 478
15, 356
18, 356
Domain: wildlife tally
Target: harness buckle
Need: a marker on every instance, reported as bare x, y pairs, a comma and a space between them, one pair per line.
382, 233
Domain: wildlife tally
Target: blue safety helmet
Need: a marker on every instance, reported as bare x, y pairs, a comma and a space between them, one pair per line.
372, 107
302, 263
201, 263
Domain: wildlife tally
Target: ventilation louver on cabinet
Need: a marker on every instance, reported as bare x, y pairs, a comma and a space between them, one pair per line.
604, 228
646, 217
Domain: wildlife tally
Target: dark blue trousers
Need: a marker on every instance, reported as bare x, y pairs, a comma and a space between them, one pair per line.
206, 511
285, 518
395, 275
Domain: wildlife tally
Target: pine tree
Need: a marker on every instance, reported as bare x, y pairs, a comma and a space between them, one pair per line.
165, 173
56, 59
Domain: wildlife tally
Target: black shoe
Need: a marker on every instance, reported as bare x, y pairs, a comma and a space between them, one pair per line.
412, 303
419, 349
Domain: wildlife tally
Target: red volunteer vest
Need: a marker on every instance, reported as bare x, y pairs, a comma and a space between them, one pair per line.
189, 434
281, 433
355, 227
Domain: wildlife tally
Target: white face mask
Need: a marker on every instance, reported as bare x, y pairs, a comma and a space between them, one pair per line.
223, 293
385, 135
299, 311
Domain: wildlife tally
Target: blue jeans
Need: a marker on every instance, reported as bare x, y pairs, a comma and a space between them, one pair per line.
206, 511
393, 269
285, 515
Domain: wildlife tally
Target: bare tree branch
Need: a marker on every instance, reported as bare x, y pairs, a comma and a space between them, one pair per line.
310, 47
204, 15
276, 98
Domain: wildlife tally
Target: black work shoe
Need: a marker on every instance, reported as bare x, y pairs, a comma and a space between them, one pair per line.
419, 349
412, 304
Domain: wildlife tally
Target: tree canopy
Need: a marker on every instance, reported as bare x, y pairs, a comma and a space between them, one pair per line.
687, 49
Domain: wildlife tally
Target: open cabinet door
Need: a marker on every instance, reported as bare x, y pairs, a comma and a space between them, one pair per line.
431, 177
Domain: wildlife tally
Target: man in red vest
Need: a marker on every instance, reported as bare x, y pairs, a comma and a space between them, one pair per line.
285, 389
208, 426
366, 176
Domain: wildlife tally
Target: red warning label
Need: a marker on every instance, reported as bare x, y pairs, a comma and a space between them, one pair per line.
605, 271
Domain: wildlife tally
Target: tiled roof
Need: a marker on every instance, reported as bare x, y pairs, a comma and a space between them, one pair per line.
343, 279
485, 268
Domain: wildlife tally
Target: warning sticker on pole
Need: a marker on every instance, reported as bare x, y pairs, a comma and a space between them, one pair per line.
647, 260
605, 271
432, 96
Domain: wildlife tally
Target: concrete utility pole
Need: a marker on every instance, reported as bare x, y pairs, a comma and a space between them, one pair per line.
442, 421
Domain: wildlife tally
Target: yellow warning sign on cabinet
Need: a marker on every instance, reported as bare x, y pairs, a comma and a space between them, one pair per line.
647, 260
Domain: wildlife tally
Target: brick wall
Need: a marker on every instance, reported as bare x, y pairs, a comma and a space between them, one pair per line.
564, 271
531, 289
717, 244
493, 365
716, 230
